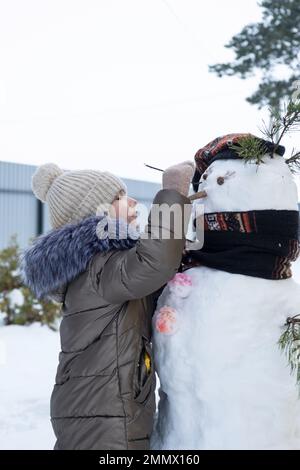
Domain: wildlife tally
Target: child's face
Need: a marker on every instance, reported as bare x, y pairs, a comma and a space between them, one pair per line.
124, 207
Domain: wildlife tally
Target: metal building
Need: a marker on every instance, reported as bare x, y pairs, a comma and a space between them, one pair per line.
21, 214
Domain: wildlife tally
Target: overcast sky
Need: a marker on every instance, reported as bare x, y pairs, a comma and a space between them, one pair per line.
111, 84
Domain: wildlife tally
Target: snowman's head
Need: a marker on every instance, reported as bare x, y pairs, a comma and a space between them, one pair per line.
251, 220
234, 185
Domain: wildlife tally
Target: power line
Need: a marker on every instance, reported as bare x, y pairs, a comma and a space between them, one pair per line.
182, 23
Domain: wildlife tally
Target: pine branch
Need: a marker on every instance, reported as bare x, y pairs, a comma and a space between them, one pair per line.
250, 149
289, 122
282, 123
289, 343
294, 162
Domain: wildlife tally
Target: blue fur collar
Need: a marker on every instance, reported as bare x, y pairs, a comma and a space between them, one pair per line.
58, 257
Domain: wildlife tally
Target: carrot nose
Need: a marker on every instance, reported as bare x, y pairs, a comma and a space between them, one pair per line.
199, 195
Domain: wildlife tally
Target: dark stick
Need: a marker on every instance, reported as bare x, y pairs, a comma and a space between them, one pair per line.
153, 167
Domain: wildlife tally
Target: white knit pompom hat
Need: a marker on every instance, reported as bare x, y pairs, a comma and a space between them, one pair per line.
73, 195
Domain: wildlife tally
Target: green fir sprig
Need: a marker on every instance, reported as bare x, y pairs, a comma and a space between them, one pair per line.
289, 343
282, 122
250, 149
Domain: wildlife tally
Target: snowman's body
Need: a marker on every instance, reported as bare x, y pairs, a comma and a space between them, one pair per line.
224, 382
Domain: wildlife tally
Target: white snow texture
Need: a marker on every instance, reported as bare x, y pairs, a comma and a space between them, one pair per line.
28, 362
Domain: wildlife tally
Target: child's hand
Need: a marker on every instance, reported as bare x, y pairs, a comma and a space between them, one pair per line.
179, 177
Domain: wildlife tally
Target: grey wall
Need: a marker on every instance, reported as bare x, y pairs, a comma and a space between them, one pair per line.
19, 208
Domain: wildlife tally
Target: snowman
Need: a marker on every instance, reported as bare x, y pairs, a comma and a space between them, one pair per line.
224, 382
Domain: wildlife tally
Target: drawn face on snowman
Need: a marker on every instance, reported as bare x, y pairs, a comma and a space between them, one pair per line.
233, 185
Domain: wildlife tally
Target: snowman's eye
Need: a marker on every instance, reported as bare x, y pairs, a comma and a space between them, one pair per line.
205, 176
221, 179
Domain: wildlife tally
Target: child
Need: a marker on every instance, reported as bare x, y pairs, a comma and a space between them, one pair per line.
104, 396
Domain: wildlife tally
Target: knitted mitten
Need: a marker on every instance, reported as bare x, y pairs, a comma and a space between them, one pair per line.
179, 177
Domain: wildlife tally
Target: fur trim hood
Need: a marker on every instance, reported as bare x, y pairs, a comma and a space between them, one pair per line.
58, 257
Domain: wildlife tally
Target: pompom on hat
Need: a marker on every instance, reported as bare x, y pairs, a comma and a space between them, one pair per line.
43, 179
74, 195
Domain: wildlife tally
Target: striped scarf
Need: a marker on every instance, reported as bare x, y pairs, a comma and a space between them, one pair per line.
254, 243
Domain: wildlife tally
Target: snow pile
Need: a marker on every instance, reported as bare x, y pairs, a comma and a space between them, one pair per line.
28, 362
16, 298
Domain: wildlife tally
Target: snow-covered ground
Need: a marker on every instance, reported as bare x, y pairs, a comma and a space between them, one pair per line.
28, 361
